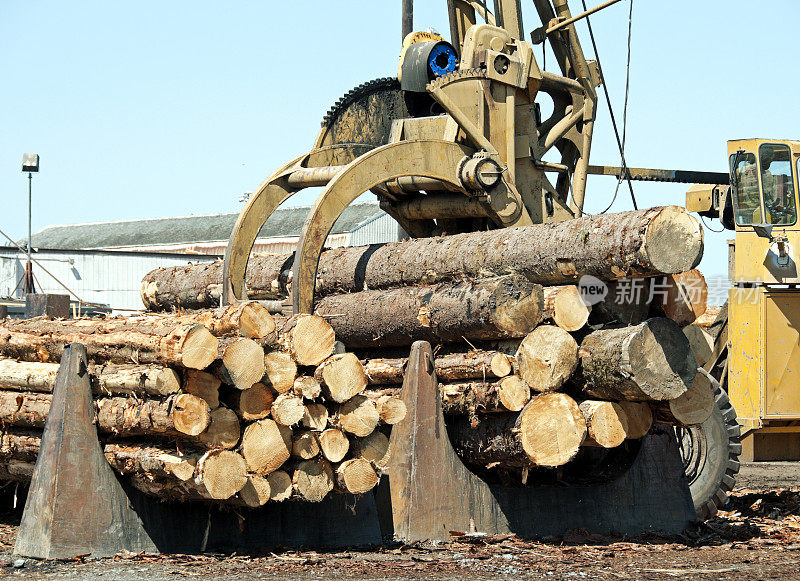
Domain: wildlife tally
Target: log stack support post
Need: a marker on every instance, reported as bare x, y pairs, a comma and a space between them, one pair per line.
432, 493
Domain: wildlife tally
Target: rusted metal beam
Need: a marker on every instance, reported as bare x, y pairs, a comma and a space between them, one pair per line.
663, 175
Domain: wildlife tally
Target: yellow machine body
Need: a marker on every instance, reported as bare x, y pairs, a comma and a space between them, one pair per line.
764, 304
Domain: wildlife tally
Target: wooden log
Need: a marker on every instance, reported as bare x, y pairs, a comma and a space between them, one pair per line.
244, 319
391, 410
451, 367
648, 242
547, 357
693, 407
20, 445
374, 449
485, 309
254, 403
281, 371
308, 339
681, 297
287, 409
202, 384
650, 361
280, 485
548, 432
151, 461
513, 392
305, 445
224, 430
470, 397
341, 376
256, 491
700, 341
627, 303
640, 418
356, 476
243, 362
313, 479
606, 422
307, 387
357, 416
565, 307
106, 379
266, 446
179, 416
707, 319
120, 340
315, 417
222, 473
334, 444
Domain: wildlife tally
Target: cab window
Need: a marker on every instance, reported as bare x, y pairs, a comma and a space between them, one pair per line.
777, 184
747, 202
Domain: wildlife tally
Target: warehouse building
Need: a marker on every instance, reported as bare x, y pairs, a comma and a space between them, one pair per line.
104, 262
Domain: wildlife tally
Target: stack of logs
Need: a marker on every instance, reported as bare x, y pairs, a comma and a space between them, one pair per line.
530, 371
230, 404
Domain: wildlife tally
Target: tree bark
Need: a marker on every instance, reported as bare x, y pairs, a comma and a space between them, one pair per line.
145, 339
650, 361
661, 240
452, 367
486, 309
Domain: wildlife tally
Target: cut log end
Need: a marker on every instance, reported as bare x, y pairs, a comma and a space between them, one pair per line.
342, 377
310, 340
640, 418
313, 479
256, 491
517, 305
199, 348
500, 365
244, 361
547, 357
551, 429
255, 403
356, 476
375, 449
281, 371
514, 393
606, 422
280, 486
696, 405
569, 311
222, 474
223, 431
334, 444
191, 415
358, 416
307, 387
391, 410
255, 321
203, 385
266, 446
701, 343
315, 417
305, 445
674, 240
287, 409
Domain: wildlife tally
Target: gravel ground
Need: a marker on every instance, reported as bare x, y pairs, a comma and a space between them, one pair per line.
756, 537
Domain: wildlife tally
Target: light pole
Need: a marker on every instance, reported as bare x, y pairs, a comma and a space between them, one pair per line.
30, 164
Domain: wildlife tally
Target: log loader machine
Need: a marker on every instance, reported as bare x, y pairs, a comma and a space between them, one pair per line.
458, 143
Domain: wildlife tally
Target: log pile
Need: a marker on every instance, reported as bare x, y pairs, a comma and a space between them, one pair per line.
252, 409
263, 408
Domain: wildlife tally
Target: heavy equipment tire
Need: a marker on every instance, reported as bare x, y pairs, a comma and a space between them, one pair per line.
710, 454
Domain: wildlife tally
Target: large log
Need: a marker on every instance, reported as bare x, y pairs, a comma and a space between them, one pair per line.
475, 364
693, 407
308, 339
143, 380
242, 362
548, 432
649, 361
145, 339
486, 309
245, 319
661, 240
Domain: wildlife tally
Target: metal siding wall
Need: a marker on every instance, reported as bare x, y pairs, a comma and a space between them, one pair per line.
103, 278
383, 229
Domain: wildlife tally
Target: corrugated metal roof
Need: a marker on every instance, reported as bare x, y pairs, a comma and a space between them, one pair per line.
188, 229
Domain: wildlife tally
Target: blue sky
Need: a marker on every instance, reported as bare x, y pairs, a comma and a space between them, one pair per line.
172, 108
